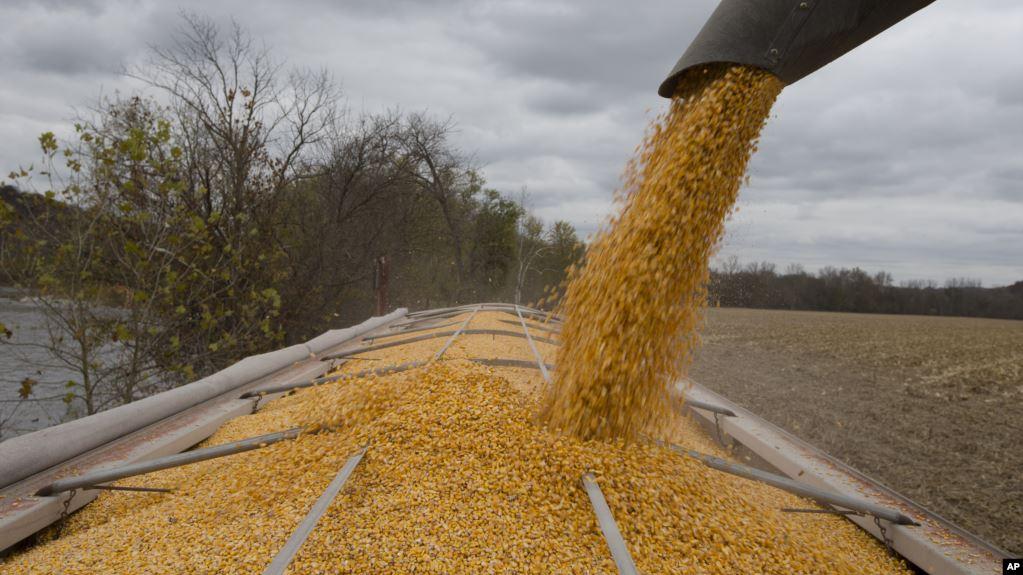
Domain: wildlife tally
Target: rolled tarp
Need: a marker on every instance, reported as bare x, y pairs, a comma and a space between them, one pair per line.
26, 455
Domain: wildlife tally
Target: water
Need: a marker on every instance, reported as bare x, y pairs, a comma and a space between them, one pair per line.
25, 355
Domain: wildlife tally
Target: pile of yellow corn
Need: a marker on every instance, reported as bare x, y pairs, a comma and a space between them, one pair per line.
458, 478
632, 312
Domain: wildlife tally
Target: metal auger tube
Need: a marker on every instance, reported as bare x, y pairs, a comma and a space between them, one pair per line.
789, 38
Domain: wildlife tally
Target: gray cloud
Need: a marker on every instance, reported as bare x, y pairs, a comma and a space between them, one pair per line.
903, 155
81, 6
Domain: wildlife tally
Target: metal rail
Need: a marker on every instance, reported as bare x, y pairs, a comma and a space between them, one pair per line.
536, 315
710, 407
128, 488
820, 511
372, 338
797, 488
506, 362
615, 542
532, 346
436, 312
493, 362
451, 340
536, 326
501, 307
466, 307
429, 336
385, 345
176, 460
329, 379
509, 333
283, 558
505, 307
419, 320
387, 369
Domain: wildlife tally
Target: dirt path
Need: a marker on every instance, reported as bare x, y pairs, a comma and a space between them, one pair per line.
926, 405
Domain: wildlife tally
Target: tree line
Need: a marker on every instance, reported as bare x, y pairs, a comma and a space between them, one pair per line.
760, 285
240, 206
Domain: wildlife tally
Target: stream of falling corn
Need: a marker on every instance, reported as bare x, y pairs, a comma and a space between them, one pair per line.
632, 312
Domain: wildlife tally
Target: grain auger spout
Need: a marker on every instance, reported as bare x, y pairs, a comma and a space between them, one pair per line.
789, 38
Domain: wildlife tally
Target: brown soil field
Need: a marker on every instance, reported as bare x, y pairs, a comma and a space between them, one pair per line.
930, 406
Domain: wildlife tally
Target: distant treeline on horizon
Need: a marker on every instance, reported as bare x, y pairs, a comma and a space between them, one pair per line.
760, 285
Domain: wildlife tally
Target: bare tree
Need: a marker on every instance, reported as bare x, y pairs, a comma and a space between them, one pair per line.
531, 244
244, 122
354, 201
731, 266
963, 283
444, 174
248, 130
793, 269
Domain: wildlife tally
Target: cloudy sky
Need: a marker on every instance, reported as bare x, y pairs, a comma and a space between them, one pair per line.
905, 155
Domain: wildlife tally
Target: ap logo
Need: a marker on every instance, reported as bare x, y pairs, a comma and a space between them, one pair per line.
1012, 566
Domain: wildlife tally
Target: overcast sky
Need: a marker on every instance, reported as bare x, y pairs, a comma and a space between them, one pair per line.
905, 155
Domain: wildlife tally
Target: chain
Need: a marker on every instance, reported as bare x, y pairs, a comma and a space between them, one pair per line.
66, 511
730, 443
717, 428
884, 534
